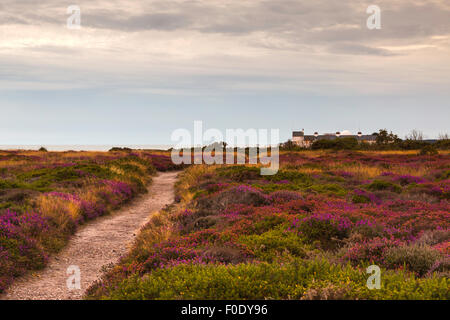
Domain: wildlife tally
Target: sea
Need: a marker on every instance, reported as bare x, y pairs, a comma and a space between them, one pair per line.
82, 147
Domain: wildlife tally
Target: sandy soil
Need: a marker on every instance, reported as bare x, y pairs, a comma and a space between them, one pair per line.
96, 244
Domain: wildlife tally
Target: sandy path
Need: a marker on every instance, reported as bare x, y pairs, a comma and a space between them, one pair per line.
98, 243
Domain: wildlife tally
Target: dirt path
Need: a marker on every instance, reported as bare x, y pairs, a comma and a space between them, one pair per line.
98, 243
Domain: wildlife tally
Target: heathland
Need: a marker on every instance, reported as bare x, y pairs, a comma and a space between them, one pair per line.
307, 232
46, 196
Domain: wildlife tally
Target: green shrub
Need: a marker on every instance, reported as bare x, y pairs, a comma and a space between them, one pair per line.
7, 184
328, 229
429, 150
270, 245
329, 188
343, 143
417, 258
268, 223
290, 175
360, 198
378, 185
239, 173
261, 281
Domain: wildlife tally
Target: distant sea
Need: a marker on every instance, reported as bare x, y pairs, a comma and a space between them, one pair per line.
81, 147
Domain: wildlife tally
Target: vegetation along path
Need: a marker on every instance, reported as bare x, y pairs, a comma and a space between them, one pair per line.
100, 242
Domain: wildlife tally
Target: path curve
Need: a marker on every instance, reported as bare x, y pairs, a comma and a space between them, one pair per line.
98, 243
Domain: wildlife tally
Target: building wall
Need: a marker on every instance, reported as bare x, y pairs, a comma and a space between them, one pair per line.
309, 140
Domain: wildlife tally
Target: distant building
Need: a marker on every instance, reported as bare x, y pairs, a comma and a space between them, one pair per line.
305, 141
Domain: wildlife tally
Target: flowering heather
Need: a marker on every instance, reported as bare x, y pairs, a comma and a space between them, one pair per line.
354, 209
407, 179
44, 197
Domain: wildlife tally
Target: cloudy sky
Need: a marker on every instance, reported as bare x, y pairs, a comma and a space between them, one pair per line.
137, 70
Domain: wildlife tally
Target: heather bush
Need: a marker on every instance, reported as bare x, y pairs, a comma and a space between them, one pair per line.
368, 250
328, 229
200, 223
377, 185
417, 258
239, 173
361, 196
433, 237
333, 189
429, 150
241, 194
285, 196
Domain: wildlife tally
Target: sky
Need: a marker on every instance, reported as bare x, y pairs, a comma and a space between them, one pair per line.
138, 70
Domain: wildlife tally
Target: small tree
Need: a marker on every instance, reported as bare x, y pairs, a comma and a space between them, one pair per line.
288, 145
443, 136
415, 135
385, 138
42, 149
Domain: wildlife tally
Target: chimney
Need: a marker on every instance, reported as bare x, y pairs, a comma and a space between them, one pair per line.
338, 134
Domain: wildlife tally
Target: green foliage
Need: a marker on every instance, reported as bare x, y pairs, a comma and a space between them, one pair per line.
417, 258
272, 281
7, 184
384, 138
273, 244
342, 143
443, 144
326, 231
329, 189
409, 144
429, 150
290, 175
360, 198
378, 185
239, 173
267, 223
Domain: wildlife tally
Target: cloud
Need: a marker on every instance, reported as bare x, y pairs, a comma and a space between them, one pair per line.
152, 21
307, 46
351, 48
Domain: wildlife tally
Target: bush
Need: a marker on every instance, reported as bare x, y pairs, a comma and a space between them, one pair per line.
432, 237
290, 176
296, 280
429, 150
342, 143
368, 250
42, 149
241, 194
272, 244
240, 173
417, 258
330, 188
328, 229
378, 185
285, 196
